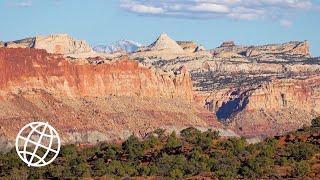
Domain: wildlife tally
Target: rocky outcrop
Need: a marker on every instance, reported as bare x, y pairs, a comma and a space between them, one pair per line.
28, 68
165, 48
291, 48
200, 48
61, 44
188, 46
294, 48
267, 109
57, 43
164, 42
227, 44
255, 90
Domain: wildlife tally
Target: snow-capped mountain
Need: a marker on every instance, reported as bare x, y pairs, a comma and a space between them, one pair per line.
119, 46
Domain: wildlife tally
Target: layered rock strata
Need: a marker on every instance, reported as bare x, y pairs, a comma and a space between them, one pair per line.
56, 43
89, 103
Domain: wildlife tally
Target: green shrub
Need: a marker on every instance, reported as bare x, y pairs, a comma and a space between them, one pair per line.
99, 167
173, 142
169, 162
116, 168
133, 147
301, 151
301, 169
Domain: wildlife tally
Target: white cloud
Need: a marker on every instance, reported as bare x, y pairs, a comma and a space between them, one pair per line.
235, 9
285, 23
146, 9
209, 7
141, 8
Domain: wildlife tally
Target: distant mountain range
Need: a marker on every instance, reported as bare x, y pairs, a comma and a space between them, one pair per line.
119, 46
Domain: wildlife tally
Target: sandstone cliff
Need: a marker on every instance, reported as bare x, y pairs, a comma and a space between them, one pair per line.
89, 103
188, 46
294, 48
28, 68
255, 90
57, 43
269, 108
290, 48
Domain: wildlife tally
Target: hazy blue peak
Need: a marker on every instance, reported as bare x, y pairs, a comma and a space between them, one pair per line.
122, 45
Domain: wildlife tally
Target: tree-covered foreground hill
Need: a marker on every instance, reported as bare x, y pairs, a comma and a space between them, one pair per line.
194, 154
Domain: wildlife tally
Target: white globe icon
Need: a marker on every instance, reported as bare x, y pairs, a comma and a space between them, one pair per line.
38, 144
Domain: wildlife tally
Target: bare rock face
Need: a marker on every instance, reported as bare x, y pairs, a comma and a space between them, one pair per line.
89, 103
188, 46
61, 44
291, 48
200, 48
268, 109
164, 42
255, 90
23, 43
165, 48
228, 44
29, 68
294, 48
58, 43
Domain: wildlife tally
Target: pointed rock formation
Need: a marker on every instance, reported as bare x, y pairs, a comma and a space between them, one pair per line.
165, 48
164, 42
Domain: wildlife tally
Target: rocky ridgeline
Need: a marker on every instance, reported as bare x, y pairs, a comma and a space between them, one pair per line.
260, 53
278, 80
58, 44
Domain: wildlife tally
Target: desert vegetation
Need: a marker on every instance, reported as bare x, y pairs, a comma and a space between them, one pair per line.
191, 154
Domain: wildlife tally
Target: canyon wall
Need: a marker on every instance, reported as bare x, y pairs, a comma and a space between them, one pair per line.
90, 103
269, 108
255, 90
22, 69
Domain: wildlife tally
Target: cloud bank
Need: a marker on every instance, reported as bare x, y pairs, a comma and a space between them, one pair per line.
233, 9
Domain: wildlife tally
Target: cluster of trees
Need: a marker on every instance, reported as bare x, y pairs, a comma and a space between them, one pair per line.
193, 153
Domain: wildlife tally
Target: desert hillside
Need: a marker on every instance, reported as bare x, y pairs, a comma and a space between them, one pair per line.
251, 91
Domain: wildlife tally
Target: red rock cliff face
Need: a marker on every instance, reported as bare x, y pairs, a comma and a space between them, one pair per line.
300, 94
24, 69
268, 109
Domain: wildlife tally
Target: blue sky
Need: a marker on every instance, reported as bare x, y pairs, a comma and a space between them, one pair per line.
208, 22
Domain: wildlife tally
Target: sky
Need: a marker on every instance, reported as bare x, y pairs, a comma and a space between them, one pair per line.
207, 22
